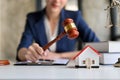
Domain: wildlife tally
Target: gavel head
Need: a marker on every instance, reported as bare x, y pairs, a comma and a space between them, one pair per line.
70, 28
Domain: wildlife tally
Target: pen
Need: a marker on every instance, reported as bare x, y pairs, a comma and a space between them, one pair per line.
45, 60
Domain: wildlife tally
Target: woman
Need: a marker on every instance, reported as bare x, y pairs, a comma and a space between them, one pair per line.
43, 26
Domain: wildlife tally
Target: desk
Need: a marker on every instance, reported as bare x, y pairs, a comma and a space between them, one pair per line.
106, 72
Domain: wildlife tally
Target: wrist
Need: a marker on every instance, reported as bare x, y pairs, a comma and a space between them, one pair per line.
60, 55
63, 56
21, 54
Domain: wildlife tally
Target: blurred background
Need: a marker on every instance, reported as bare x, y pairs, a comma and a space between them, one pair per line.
13, 15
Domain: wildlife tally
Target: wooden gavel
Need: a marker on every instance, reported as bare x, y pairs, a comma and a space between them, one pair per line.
4, 62
69, 29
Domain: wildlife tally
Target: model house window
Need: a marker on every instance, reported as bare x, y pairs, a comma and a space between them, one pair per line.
83, 62
93, 61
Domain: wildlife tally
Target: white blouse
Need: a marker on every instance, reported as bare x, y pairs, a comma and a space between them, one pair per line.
48, 31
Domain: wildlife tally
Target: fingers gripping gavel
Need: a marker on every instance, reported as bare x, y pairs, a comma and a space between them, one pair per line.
69, 29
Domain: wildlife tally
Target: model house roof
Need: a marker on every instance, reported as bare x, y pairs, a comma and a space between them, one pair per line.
95, 51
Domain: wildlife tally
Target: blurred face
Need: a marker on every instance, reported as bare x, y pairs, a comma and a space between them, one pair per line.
55, 5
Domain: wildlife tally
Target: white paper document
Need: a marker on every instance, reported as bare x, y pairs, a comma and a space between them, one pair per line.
45, 62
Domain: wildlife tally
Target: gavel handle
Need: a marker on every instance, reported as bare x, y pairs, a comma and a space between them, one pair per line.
53, 41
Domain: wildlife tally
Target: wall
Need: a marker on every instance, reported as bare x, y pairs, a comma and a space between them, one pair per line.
12, 20
95, 16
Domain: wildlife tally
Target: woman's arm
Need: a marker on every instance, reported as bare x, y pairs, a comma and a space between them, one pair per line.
35, 52
64, 55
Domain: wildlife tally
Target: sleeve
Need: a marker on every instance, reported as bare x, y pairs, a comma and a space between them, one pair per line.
27, 37
86, 34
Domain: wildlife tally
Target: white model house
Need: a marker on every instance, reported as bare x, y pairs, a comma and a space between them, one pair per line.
88, 57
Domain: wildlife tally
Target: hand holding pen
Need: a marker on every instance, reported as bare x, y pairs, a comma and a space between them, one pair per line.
34, 52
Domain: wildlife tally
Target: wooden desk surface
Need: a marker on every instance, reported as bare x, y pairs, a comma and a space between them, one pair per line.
105, 72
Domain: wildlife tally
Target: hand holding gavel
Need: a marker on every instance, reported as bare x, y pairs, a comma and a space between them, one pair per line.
69, 29
35, 52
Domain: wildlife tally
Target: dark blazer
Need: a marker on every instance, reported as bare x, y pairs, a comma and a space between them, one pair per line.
35, 31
